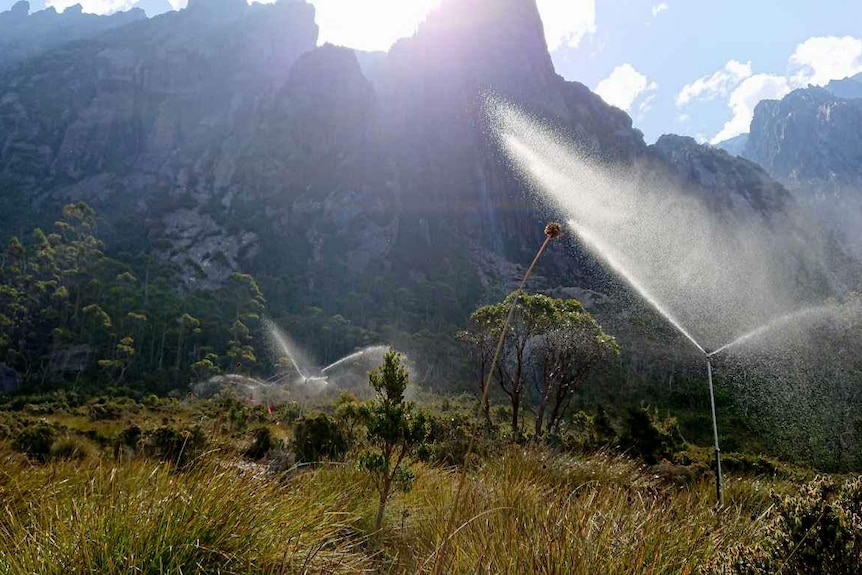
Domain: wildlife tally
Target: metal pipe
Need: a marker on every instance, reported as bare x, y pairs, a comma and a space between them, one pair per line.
719, 489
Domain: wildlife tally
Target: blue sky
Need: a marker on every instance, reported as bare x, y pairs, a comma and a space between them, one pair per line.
742, 51
693, 67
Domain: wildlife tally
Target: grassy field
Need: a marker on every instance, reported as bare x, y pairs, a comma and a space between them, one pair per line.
93, 506
522, 512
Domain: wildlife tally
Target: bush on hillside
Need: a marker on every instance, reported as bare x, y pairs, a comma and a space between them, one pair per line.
650, 438
817, 532
262, 443
449, 440
177, 446
584, 433
35, 441
319, 438
104, 409
71, 448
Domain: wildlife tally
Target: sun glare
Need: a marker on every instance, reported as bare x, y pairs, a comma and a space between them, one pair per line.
369, 24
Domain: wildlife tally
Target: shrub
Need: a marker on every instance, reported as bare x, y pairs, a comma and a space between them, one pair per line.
287, 412
396, 430
817, 532
35, 441
128, 440
650, 439
262, 443
350, 415
71, 448
584, 433
150, 401
319, 438
177, 446
107, 409
449, 440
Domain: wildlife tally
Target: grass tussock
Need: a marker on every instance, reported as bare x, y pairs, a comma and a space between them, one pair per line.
527, 511
143, 517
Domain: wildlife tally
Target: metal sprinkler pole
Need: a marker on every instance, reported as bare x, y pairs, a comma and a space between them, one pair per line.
719, 488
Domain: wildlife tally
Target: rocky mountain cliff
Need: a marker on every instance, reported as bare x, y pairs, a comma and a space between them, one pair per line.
24, 34
812, 142
221, 138
846, 88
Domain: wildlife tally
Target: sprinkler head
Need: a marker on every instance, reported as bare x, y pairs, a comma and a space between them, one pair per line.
553, 230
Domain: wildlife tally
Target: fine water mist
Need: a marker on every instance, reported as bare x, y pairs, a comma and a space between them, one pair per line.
373, 354
283, 347
808, 316
715, 274
298, 370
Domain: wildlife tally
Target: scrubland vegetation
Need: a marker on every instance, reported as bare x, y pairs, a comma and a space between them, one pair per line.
152, 485
100, 475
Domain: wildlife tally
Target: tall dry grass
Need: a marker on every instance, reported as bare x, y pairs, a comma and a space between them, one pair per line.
523, 512
142, 517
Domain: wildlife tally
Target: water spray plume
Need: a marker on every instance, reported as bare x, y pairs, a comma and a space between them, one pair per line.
783, 321
278, 339
375, 350
301, 370
552, 231
713, 272
709, 272
607, 255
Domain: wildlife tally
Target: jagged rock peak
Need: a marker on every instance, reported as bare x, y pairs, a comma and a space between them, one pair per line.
810, 135
498, 44
508, 25
715, 171
15, 16
847, 88
216, 7
327, 68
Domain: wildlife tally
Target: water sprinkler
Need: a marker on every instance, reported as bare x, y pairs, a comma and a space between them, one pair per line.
719, 487
553, 230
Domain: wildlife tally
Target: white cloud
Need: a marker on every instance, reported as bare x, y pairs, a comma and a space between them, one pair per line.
566, 21
646, 105
718, 84
93, 6
659, 8
815, 61
745, 97
821, 59
623, 86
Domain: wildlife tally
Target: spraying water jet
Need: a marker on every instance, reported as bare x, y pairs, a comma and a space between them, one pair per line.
298, 369
708, 274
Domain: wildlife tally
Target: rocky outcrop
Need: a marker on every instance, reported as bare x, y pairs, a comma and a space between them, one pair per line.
734, 146
726, 182
150, 122
24, 35
810, 136
811, 141
224, 138
846, 88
